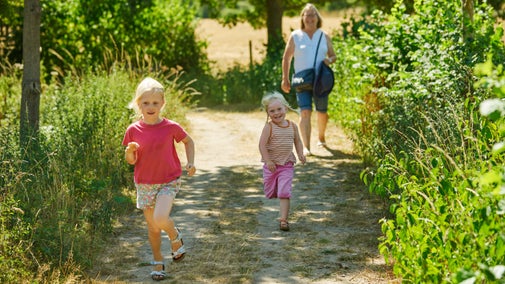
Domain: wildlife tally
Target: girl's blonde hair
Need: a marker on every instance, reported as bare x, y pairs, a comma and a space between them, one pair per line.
147, 86
268, 98
307, 8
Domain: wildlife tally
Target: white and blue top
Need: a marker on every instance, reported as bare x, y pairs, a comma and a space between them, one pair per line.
305, 49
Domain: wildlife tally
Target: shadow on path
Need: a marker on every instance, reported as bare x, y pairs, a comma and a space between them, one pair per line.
231, 230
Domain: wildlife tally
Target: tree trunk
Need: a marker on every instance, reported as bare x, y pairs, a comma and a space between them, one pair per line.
275, 42
31, 89
468, 11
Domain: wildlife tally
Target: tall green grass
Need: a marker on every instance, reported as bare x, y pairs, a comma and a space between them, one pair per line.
447, 226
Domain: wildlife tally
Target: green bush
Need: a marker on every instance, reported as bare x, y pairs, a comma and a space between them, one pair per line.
408, 94
448, 212
79, 36
242, 85
351, 103
414, 71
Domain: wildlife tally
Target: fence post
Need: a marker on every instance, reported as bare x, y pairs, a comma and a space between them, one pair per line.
250, 55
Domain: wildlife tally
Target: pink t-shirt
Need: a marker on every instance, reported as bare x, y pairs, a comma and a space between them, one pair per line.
157, 160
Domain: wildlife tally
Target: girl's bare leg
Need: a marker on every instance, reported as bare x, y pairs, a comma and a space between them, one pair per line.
154, 236
284, 208
284, 225
162, 218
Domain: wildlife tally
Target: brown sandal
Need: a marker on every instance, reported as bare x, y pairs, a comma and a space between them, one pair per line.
284, 225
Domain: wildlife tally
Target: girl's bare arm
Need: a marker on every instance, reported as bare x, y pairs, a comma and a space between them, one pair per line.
131, 153
265, 134
189, 146
299, 146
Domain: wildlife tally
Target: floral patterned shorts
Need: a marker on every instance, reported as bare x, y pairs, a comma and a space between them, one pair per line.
147, 193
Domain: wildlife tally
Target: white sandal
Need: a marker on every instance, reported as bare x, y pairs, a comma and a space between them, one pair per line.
158, 275
179, 254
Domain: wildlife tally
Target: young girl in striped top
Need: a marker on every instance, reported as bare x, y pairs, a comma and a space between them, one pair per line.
276, 148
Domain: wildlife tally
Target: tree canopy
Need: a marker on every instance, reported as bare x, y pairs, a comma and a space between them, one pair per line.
81, 34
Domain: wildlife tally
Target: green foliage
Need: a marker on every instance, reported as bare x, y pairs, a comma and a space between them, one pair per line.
14, 229
14, 239
241, 85
347, 104
492, 178
417, 70
407, 93
10, 87
448, 212
11, 21
78, 36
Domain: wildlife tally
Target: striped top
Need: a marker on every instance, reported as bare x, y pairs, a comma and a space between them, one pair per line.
280, 143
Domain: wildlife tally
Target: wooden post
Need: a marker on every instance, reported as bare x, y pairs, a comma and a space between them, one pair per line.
250, 55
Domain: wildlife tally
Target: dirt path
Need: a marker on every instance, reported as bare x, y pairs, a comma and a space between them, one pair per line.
231, 231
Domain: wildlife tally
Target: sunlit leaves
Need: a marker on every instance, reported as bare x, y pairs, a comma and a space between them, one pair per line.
434, 153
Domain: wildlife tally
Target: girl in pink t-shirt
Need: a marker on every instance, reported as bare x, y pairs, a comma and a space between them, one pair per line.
150, 146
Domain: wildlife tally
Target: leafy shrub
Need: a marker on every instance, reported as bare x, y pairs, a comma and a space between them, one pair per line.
347, 105
78, 36
242, 85
411, 78
447, 212
417, 69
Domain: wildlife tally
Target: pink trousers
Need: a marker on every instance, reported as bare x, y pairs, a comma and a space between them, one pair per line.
278, 184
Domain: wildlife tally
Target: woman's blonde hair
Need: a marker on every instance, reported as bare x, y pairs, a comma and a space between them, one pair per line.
268, 98
147, 86
309, 7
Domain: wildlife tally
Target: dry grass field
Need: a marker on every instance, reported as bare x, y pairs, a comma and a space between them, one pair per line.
229, 46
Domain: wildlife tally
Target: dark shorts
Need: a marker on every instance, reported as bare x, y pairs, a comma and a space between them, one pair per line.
305, 99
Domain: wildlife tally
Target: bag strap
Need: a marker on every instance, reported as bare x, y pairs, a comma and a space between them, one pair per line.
317, 49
